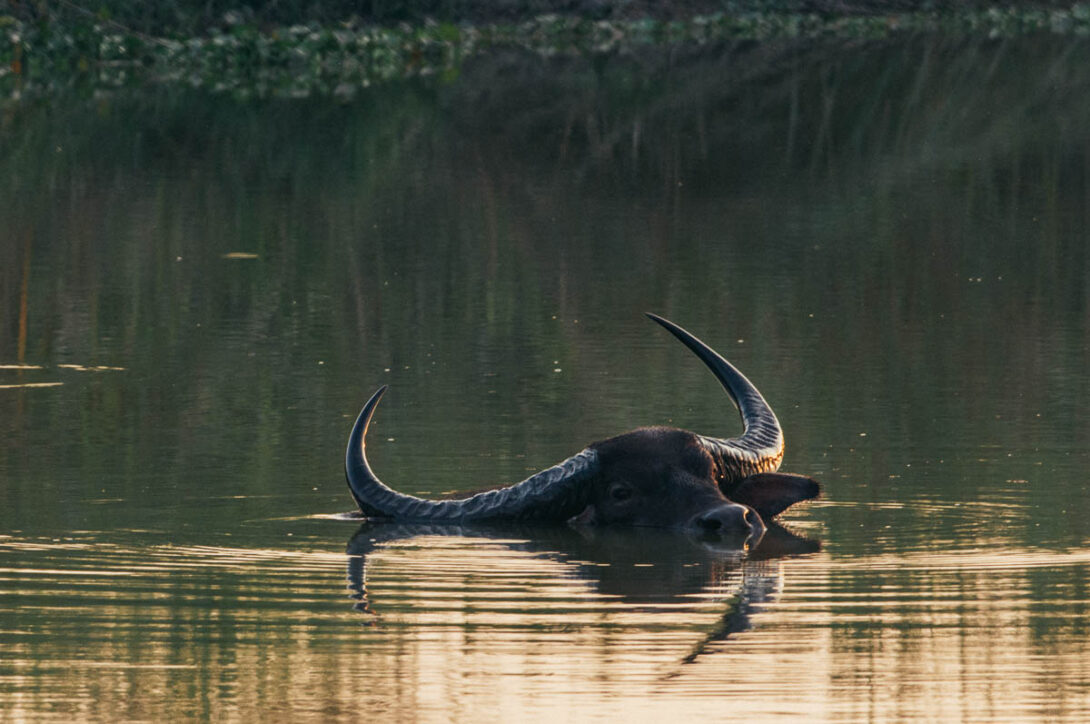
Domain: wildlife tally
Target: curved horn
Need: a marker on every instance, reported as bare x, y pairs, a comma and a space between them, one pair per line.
556, 493
760, 448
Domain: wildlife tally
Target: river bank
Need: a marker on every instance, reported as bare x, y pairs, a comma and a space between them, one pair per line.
46, 55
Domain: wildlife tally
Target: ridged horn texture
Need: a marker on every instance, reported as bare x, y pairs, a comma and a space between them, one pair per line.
760, 448
556, 493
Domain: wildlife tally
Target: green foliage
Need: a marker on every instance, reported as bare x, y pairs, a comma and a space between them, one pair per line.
340, 59
189, 17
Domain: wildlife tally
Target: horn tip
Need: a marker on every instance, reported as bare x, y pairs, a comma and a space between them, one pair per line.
369, 407
668, 325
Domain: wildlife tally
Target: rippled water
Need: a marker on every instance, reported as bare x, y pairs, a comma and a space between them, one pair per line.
457, 625
196, 296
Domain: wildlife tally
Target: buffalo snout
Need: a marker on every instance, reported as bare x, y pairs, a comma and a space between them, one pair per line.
728, 519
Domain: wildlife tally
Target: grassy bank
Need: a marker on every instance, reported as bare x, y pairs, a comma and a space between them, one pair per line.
44, 55
199, 17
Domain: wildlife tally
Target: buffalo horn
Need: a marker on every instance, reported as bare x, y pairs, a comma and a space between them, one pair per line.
556, 493
760, 447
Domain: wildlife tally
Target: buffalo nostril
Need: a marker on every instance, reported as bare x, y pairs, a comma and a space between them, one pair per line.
711, 523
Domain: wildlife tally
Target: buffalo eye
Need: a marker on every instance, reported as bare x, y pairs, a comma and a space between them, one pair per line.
620, 492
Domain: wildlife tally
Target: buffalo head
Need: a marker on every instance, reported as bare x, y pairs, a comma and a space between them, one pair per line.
659, 477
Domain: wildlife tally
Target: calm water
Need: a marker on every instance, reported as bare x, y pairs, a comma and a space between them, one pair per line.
197, 295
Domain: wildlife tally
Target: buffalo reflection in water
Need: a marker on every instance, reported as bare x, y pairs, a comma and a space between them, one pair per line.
635, 566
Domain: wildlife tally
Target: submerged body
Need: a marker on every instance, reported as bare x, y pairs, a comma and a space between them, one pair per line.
658, 476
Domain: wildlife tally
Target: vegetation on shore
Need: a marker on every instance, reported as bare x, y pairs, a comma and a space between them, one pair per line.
47, 54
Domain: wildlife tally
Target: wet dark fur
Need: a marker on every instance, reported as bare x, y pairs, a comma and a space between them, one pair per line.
673, 478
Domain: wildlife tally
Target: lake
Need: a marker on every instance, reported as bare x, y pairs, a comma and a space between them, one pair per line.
198, 293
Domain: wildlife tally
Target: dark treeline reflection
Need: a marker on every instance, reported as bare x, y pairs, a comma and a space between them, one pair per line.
888, 237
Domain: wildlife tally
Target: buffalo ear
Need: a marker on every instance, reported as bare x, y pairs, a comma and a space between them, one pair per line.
772, 493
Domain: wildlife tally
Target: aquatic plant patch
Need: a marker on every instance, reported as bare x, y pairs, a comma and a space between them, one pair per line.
340, 60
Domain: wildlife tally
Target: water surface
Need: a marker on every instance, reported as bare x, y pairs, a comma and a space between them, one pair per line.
197, 294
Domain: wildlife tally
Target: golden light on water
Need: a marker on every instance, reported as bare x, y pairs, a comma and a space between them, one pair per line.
90, 368
26, 385
20, 368
464, 626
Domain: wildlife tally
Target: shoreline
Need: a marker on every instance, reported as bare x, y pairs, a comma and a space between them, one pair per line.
344, 58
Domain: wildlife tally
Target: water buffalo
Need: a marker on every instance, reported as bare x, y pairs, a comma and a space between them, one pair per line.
656, 476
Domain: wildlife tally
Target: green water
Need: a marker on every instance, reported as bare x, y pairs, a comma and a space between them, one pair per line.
889, 238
